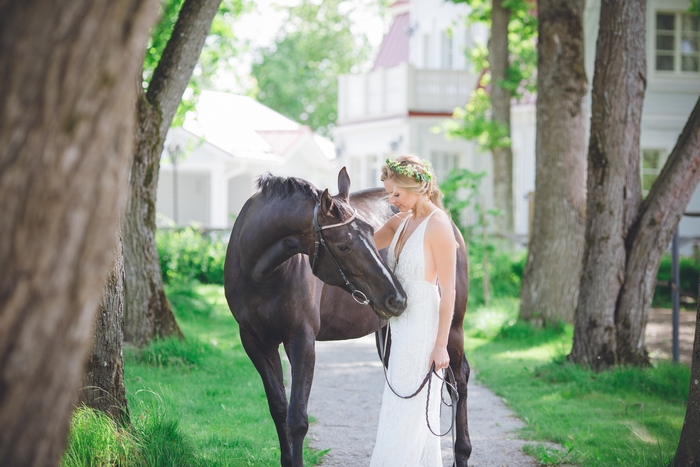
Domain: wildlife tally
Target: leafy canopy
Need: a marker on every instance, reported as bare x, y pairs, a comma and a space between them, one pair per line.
298, 75
473, 121
220, 45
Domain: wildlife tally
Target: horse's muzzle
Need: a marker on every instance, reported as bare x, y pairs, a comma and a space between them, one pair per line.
394, 305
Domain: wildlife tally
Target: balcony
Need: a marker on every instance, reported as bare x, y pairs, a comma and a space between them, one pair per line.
401, 90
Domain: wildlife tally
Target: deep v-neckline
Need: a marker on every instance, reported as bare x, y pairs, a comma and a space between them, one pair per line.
403, 228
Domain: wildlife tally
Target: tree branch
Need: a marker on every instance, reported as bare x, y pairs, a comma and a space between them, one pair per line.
180, 56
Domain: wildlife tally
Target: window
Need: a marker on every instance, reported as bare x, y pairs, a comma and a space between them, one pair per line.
443, 163
677, 43
653, 161
426, 51
372, 179
446, 50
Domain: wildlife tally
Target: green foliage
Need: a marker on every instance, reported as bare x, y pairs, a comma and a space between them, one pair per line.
162, 442
487, 256
694, 7
219, 46
473, 121
218, 399
95, 440
186, 301
298, 76
188, 254
689, 274
547, 455
174, 352
153, 440
624, 416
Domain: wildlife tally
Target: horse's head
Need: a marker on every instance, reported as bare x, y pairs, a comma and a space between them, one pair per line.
344, 254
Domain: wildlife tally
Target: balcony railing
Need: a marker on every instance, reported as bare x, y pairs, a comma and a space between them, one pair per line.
399, 90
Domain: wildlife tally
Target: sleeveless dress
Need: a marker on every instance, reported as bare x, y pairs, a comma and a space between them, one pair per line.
403, 437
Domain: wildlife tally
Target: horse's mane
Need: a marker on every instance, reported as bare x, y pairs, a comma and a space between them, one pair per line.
273, 187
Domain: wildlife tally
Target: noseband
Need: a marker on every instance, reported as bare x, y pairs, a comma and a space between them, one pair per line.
358, 295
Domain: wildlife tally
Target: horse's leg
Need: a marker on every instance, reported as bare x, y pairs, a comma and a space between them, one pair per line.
301, 350
267, 361
461, 370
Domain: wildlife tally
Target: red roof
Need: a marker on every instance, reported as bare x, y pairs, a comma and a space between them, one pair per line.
394, 48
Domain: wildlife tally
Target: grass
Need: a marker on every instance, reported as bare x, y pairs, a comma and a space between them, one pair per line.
198, 402
621, 417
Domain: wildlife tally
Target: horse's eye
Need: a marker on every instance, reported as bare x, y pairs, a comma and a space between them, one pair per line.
343, 248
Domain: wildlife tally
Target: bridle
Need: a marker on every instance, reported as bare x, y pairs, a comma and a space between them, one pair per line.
357, 295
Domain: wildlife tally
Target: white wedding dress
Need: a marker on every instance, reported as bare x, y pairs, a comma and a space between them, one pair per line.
403, 437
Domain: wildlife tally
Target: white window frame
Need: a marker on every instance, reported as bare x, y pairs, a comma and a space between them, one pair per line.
443, 162
446, 50
677, 40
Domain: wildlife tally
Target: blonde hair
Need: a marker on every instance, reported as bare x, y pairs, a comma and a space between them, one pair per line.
418, 177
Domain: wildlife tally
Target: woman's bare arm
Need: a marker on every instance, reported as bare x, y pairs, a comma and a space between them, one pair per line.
440, 239
383, 236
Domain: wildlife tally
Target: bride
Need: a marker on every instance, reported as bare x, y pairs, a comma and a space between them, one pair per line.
422, 252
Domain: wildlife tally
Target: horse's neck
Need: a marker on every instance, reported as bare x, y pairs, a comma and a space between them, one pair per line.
276, 237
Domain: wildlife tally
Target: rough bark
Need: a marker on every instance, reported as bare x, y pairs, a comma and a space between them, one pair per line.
147, 311
500, 102
688, 451
550, 283
103, 381
614, 191
648, 240
66, 116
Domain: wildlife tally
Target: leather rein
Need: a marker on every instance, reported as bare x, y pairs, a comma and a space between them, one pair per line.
357, 294
448, 380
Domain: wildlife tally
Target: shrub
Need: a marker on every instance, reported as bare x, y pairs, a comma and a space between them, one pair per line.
505, 268
188, 254
689, 272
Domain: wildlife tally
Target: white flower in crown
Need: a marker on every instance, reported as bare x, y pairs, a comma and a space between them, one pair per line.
410, 170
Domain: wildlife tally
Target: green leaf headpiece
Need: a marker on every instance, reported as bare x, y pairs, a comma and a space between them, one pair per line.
410, 170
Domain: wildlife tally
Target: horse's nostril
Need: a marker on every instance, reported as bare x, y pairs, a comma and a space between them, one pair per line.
395, 304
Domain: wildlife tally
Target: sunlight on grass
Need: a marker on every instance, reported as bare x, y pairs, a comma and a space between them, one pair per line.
210, 383
620, 417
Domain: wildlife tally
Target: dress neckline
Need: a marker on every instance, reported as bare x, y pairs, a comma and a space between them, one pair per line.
402, 229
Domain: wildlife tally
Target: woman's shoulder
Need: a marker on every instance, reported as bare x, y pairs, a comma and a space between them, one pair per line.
439, 225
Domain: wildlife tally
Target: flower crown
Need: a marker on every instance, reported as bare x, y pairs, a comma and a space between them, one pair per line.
410, 170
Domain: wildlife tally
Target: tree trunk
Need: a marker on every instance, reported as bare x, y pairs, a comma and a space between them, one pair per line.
688, 452
103, 380
550, 283
66, 111
147, 312
614, 191
648, 240
500, 102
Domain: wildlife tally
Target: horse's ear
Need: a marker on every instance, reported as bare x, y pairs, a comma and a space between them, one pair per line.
326, 203
343, 184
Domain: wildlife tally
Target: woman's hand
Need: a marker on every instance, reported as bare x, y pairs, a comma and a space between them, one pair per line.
440, 357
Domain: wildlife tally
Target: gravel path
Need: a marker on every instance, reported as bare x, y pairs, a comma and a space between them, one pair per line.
345, 401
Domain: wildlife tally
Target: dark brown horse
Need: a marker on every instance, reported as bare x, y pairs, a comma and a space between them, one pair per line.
278, 297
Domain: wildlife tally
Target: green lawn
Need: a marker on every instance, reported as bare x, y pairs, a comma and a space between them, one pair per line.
624, 417
208, 384
200, 402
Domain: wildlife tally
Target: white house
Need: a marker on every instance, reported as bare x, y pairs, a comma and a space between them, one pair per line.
420, 76
210, 165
